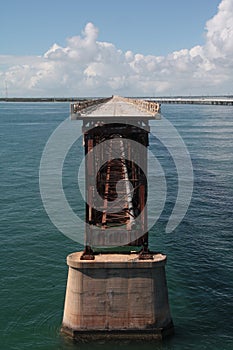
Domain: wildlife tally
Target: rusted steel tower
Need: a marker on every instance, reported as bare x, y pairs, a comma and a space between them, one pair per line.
118, 293
117, 160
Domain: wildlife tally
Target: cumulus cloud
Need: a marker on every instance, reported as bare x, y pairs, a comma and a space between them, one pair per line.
220, 32
88, 67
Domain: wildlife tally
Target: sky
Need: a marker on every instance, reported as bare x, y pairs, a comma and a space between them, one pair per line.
129, 48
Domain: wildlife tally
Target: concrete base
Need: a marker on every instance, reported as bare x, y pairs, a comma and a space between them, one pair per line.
116, 296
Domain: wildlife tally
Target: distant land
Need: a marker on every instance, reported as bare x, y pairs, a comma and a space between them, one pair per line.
42, 99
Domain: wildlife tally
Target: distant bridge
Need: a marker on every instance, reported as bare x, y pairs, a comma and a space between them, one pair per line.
223, 101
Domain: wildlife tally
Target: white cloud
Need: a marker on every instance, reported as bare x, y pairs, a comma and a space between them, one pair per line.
220, 32
88, 67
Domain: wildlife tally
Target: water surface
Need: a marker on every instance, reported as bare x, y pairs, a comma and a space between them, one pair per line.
33, 252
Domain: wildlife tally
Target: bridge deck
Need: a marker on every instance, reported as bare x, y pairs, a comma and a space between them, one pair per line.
118, 107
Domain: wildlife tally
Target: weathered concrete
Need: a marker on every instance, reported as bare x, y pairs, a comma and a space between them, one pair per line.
116, 296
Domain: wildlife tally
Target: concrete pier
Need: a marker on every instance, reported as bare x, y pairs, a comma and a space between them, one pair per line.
116, 296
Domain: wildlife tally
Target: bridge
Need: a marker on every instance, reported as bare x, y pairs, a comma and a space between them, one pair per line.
222, 101
203, 100
116, 287
113, 124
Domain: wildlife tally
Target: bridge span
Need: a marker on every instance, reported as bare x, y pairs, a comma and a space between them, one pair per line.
222, 101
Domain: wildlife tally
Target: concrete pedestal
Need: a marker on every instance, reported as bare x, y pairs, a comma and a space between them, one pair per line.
116, 296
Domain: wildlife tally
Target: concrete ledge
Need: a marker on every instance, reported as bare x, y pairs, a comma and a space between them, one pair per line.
138, 335
118, 261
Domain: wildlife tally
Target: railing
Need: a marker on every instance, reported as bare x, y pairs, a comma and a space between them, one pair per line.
82, 105
148, 106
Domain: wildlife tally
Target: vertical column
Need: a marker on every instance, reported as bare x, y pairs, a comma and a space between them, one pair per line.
89, 172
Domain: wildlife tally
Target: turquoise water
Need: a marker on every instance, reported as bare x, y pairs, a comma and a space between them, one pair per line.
33, 252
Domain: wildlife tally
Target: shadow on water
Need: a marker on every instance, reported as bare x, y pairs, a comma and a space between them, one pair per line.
68, 344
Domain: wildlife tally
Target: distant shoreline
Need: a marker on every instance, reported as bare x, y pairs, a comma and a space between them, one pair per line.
42, 99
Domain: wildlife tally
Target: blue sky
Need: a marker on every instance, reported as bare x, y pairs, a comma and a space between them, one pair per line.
154, 27
150, 47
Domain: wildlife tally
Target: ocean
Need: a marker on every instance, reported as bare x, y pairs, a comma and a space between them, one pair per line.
199, 268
